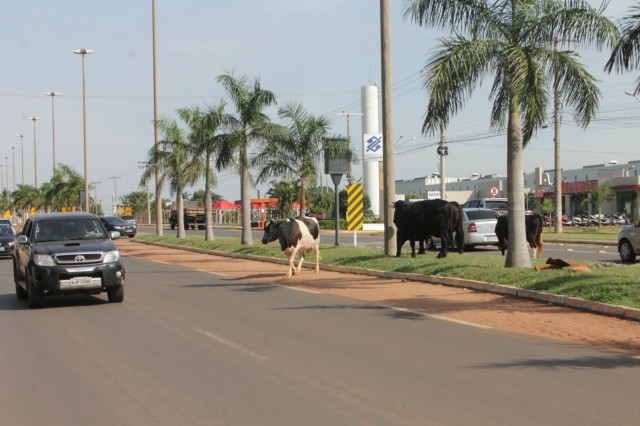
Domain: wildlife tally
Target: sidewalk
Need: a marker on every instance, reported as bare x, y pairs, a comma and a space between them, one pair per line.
507, 308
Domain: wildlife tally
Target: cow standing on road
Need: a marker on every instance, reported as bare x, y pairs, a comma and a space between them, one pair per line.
298, 235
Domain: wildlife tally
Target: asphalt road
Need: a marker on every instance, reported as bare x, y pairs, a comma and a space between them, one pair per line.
566, 251
189, 347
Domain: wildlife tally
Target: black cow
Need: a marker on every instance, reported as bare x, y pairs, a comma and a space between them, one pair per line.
297, 235
533, 229
420, 219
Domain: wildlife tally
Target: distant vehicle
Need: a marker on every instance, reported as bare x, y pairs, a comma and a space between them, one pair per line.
629, 242
497, 204
7, 240
66, 253
129, 218
114, 223
479, 227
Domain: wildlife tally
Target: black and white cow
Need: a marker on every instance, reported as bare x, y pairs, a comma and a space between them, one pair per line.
298, 235
533, 229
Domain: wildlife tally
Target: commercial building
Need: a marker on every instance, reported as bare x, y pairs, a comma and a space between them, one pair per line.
577, 186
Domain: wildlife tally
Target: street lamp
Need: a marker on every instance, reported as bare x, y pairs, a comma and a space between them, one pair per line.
35, 158
53, 127
84, 52
13, 160
21, 136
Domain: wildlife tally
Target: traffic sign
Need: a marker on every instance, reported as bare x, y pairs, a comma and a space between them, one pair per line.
355, 207
494, 191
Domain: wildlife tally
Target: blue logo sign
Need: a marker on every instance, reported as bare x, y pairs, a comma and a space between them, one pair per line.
374, 144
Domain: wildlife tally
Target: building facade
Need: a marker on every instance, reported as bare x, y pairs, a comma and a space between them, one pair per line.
577, 187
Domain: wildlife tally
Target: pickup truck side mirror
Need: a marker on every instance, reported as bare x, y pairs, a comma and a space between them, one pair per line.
22, 239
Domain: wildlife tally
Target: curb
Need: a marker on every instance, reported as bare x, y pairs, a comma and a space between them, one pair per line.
566, 301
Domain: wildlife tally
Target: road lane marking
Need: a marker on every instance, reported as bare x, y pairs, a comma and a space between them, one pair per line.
438, 317
232, 344
305, 290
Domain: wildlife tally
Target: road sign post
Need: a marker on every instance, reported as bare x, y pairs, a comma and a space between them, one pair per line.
355, 209
336, 167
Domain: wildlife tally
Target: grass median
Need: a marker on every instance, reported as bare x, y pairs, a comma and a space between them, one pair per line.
608, 282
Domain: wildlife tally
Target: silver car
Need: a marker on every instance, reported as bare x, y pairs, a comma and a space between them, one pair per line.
479, 227
629, 242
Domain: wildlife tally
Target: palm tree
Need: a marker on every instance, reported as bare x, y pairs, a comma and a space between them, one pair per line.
286, 191
25, 197
297, 151
514, 41
63, 188
204, 141
177, 167
626, 53
250, 126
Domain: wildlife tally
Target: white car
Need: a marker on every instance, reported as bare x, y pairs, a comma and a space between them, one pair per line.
629, 242
479, 225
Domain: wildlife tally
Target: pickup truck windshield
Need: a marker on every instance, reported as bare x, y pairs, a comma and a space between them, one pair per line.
69, 229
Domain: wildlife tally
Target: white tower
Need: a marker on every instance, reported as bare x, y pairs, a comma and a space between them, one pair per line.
371, 162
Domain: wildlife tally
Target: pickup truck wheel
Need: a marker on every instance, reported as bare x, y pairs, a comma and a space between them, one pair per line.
116, 294
21, 293
35, 296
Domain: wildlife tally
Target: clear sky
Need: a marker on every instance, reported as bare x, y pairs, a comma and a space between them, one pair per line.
319, 53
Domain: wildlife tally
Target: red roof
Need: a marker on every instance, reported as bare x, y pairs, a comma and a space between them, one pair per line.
224, 205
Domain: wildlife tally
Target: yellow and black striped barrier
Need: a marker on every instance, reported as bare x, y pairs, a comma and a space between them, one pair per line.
355, 207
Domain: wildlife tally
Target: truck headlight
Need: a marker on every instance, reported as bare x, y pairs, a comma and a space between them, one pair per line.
43, 260
112, 256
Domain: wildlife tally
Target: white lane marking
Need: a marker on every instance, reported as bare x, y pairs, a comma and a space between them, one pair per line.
304, 290
212, 273
232, 344
438, 317
160, 261
471, 324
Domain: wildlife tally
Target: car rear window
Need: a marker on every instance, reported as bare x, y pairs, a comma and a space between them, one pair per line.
481, 214
495, 204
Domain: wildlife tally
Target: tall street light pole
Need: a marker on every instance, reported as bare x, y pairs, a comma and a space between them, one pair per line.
53, 126
35, 157
13, 160
156, 118
389, 184
84, 52
21, 136
95, 194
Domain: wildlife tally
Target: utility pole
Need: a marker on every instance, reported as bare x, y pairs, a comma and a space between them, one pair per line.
443, 151
115, 193
143, 165
387, 124
156, 118
348, 116
95, 195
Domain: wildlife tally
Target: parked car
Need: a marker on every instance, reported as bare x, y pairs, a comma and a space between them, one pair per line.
629, 242
497, 204
129, 218
114, 223
7, 240
66, 253
479, 226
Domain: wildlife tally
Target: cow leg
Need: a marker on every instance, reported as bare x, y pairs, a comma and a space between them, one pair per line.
421, 249
444, 246
540, 246
292, 257
412, 242
316, 252
300, 261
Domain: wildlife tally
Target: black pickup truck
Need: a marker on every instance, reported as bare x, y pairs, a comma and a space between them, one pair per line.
66, 253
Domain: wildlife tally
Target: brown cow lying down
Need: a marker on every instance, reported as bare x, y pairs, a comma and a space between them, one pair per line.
298, 235
533, 229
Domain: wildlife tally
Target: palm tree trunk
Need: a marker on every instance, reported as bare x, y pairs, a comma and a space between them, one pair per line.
245, 195
180, 212
518, 253
207, 203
